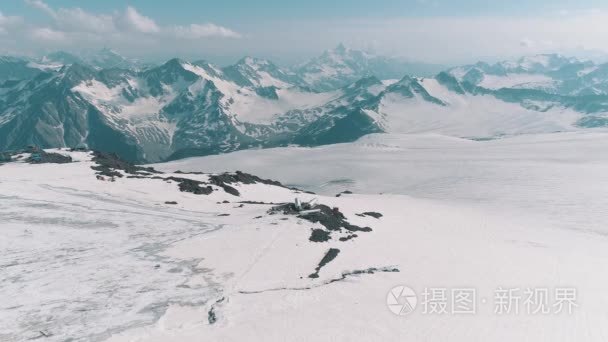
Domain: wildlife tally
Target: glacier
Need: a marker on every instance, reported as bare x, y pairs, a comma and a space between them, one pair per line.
136, 259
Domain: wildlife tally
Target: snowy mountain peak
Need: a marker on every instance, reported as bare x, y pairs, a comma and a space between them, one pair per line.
536, 64
170, 71
342, 52
366, 82
174, 63
342, 66
107, 58
450, 82
257, 72
76, 73
340, 48
553, 73
543, 62
102, 59
61, 57
254, 62
337, 67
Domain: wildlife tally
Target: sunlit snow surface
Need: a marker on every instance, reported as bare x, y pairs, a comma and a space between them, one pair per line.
89, 260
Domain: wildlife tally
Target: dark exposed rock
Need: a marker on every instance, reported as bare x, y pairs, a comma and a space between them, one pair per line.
286, 209
171, 202
348, 237
42, 157
331, 218
370, 270
331, 254
374, 270
257, 202
192, 186
228, 189
268, 92
223, 215
223, 180
241, 177
5, 157
79, 148
108, 164
346, 192
372, 214
211, 316
342, 124
319, 235
189, 173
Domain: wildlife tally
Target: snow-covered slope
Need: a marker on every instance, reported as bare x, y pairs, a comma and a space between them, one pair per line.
467, 115
532, 172
256, 72
136, 259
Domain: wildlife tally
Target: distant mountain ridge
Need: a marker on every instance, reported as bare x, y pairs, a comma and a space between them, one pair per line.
333, 69
553, 73
341, 66
180, 108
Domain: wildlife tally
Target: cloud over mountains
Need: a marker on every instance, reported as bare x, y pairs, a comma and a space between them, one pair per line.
74, 27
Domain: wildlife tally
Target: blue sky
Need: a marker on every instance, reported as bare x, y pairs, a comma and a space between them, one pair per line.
440, 31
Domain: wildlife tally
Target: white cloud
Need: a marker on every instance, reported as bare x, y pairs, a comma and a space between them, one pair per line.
135, 21
196, 31
77, 26
78, 20
433, 39
10, 21
46, 35
39, 4
527, 43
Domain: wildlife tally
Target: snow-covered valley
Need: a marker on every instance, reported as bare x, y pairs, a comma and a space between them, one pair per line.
136, 259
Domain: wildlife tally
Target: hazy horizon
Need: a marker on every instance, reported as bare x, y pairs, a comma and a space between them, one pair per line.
432, 31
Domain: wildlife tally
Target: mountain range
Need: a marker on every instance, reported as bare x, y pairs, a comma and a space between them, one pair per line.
552, 73
149, 113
